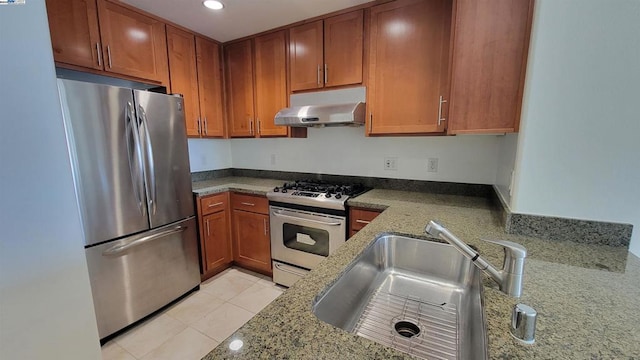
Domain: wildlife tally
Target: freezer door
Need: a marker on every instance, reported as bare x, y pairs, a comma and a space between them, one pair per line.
164, 142
107, 159
135, 276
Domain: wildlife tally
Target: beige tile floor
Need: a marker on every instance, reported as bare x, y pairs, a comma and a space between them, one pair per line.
195, 325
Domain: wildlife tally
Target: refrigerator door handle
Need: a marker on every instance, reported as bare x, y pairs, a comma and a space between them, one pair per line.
151, 176
116, 250
135, 156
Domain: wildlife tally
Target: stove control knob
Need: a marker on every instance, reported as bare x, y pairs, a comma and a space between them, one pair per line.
338, 196
328, 195
276, 189
284, 191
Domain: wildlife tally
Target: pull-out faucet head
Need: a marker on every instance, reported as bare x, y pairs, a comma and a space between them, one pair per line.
509, 278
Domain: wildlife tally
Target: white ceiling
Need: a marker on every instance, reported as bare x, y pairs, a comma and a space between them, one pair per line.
239, 18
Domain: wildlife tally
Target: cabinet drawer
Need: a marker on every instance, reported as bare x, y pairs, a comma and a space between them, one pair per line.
360, 218
213, 203
251, 203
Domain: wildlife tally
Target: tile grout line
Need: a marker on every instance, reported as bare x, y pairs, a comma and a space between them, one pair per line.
254, 278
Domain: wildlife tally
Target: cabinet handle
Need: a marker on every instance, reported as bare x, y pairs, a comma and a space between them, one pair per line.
216, 204
363, 221
265, 226
440, 118
206, 128
99, 51
326, 74
319, 79
259, 127
109, 55
370, 123
208, 232
250, 126
247, 204
199, 127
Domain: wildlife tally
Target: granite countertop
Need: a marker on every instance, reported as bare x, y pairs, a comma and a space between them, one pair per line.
587, 296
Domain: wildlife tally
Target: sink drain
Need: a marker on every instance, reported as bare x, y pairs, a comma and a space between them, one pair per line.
407, 329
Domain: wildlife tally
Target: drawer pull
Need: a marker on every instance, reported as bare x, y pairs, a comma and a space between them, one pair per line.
216, 204
247, 204
363, 221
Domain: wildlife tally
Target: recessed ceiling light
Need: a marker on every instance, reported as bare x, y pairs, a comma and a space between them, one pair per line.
213, 4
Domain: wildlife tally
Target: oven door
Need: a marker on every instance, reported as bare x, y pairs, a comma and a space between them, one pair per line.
304, 238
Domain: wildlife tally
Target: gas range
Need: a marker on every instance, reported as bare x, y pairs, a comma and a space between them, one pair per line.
315, 194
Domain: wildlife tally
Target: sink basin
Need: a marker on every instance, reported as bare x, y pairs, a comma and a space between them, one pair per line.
420, 297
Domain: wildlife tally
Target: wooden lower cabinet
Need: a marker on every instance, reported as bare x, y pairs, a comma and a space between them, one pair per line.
251, 233
217, 249
359, 218
214, 218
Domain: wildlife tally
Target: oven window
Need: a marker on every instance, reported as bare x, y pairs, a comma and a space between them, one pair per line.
307, 239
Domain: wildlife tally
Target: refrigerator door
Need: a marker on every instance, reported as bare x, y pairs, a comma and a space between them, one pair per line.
107, 161
135, 276
164, 143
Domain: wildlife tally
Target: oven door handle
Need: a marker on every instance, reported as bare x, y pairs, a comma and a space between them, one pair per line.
279, 214
288, 269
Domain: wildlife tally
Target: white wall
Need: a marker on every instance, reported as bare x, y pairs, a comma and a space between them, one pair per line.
46, 311
506, 165
579, 145
209, 154
346, 151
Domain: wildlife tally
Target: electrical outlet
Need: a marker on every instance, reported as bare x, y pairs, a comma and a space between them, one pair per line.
391, 163
432, 165
273, 159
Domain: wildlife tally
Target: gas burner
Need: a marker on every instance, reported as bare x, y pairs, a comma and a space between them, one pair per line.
316, 193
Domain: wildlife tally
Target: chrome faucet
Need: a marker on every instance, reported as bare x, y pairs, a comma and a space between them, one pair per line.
509, 278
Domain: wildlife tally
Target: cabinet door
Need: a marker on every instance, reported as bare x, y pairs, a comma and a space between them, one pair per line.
184, 79
491, 39
217, 240
359, 218
306, 56
210, 87
271, 82
343, 42
252, 246
75, 37
405, 62
239, 82
133, 44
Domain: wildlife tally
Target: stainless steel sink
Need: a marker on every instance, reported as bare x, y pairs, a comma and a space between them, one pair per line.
420, 297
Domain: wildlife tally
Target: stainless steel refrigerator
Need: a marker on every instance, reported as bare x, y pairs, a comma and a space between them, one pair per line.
128, 150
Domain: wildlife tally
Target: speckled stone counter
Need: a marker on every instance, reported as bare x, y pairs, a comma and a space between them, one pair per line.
240, 184
587, 296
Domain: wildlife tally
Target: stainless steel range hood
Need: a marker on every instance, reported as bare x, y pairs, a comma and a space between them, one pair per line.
351, 114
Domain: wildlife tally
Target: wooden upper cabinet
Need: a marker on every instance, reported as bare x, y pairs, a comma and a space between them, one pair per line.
184, 78
239, 86
75, 37
406, 44
306, 56
271, 82
210, 87
133, 44
343, 45
491, 39
328, 52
